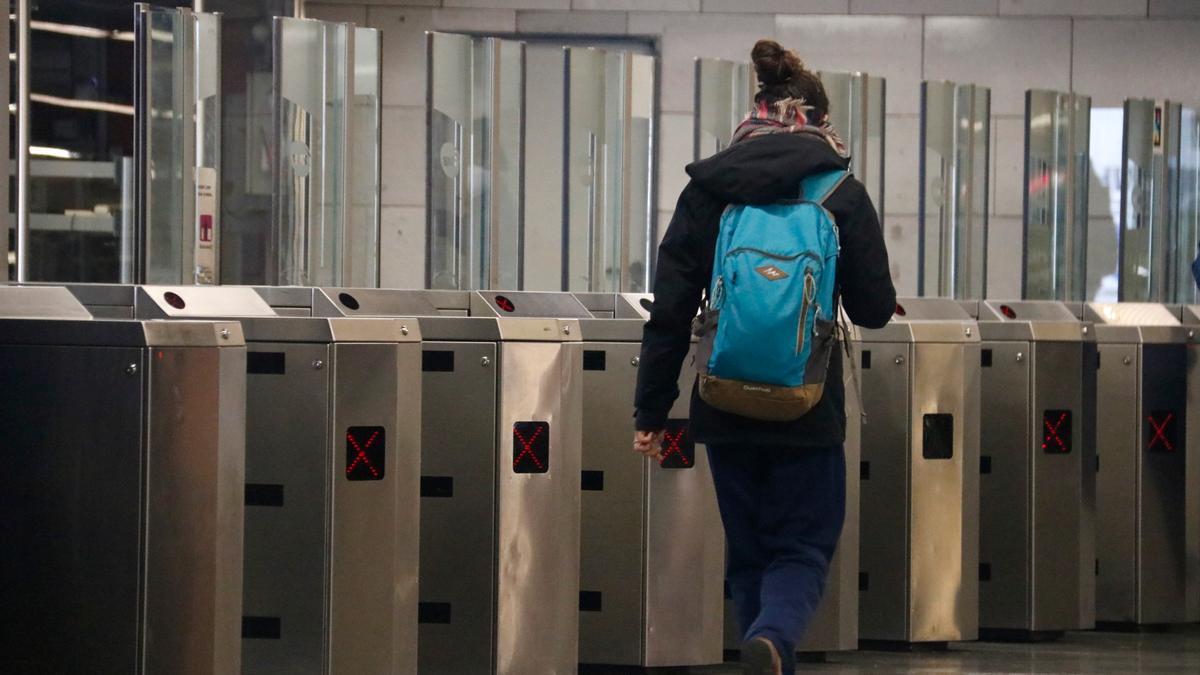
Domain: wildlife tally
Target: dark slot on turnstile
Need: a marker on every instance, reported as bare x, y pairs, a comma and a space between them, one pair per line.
591, 480
433, 612
864, 470
261, 627
595, 359
864, 581
437, 361
985, 358
264, 494
437, 486
985, 464
266, 363
866, 359
985, 571
590, 601
938, 436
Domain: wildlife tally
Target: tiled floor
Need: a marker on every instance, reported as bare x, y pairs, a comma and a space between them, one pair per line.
1176, 651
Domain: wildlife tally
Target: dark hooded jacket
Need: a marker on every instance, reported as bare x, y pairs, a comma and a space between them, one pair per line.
756, 171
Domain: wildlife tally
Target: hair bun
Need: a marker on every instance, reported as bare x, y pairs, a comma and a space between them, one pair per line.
774, 64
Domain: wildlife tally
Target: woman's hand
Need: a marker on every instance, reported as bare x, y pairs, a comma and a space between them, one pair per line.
648, 443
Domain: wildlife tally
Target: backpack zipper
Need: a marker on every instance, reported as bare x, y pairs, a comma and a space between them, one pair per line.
810, 292
773, 256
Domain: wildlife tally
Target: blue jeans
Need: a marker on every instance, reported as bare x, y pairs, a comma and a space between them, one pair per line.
783, 510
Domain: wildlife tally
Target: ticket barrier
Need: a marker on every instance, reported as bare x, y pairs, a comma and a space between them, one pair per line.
500, 479
331, 482
834, 627
120, 499
1190, 317
919, 541
653, 550
1141, 479
1037, 470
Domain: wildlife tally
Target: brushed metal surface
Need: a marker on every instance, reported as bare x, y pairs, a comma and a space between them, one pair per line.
458, 537
1130, 314
288, 426
528, 304
614, 522
1191, 318
151, 302
1006, 518
40, 302
685, 553
885, 500
944, 600
194, 509
1087, 466
373, 563
1118, 425
1057, 490
538, 520
1162, 527
71, 601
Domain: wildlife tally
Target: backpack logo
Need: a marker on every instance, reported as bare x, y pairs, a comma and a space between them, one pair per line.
771, 272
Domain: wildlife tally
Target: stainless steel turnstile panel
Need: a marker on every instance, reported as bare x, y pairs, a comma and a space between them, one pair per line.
121, 500
920, 505
499, 549
1190, 315
330, 560
1141, 540
1036, 543
652, 556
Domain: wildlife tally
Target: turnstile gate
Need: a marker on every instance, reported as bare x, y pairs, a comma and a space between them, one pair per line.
834, 626
331, 481
1141, 477
120, 498
652, 548
499, 479
1037, 470
1190, 316
918, 579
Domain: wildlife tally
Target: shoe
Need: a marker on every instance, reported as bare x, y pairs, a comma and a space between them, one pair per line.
759, 657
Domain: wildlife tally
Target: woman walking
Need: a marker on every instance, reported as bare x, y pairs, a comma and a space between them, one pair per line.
780, 485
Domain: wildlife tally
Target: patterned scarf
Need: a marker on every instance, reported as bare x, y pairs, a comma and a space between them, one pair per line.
788, 116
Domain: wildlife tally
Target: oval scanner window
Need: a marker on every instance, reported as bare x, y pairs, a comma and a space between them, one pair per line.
174, 300
900, 311
1008, 311
349, 301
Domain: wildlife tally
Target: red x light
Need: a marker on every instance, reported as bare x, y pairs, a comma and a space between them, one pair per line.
1056, 432
678, 448
365, 453
1161, 431
531, 447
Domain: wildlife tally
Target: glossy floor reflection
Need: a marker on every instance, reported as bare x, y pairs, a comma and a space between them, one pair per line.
1176, 651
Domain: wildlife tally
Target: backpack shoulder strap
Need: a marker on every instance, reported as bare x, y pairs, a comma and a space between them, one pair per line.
818, 187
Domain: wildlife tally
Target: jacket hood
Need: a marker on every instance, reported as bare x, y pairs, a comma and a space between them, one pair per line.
764, 169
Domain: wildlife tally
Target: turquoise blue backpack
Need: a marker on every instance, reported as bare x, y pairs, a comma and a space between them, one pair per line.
770, 325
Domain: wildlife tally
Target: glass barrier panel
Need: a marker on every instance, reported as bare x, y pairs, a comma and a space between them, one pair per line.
450, 164
637, 232
1041, 123
937, 196
361, 265
508, 166
1189, 204
542, 252
1140, 234
872, 175
586, 143
312, 84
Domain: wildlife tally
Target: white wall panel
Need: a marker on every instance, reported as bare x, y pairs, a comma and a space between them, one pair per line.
403, 64
778, 6
1181, 8
403, 156
509, 4
674, 153
943, 7
355, 14
402, 247
1005, 243
1074, 7
1008, 166
1117, 59
592, 23
1007, 55
685, 37
901, 163
885, 46
639, 5
900, 236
